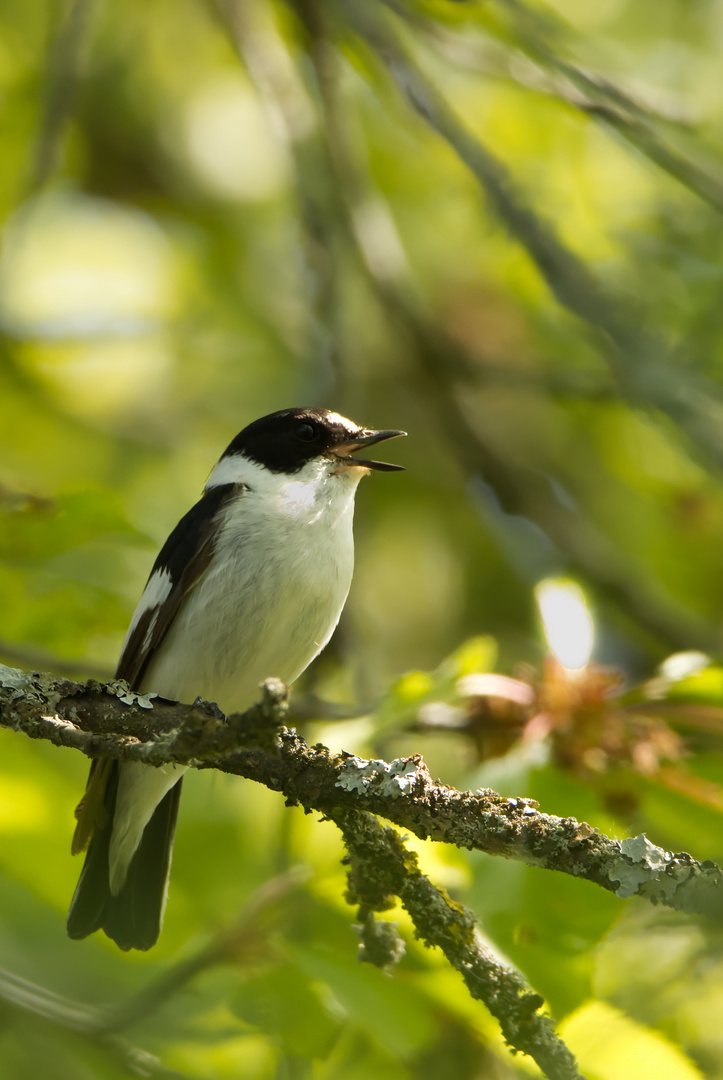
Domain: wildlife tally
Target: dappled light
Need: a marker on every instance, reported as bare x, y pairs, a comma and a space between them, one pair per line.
568, 624
495, 225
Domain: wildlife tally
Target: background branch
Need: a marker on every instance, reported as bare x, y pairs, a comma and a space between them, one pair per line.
63, 75
646, 369
445, 371
247, 937
85, 1021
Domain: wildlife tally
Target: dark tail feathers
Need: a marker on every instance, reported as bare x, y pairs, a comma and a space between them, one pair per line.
134, 917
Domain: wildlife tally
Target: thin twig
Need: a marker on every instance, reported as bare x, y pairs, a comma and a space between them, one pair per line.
443, 365
45, 659
291, 115
602, 99
85, 1021
644, 366
246, 936
63, 76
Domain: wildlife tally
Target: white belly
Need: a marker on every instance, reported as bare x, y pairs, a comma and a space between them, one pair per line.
268, 603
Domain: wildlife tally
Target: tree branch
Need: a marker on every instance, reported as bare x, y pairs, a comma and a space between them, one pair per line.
638, 121
381, 865
109, 720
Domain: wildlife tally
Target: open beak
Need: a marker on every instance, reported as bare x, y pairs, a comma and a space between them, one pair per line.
368, 438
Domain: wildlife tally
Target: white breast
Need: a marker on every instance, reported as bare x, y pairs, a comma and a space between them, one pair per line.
273, 593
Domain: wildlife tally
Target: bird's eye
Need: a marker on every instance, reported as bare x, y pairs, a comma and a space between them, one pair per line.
305, 432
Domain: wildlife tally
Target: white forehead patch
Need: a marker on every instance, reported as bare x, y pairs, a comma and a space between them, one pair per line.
335, 418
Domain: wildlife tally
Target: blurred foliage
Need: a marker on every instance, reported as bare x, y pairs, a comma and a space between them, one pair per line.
495, 224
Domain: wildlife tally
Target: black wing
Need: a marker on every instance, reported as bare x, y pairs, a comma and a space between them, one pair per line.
181, 562
133, 917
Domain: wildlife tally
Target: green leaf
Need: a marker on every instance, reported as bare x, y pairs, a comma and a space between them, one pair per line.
285, 1004
393, 1014
612, 1046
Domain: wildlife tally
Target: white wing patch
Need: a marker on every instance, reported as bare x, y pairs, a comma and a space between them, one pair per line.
156, 591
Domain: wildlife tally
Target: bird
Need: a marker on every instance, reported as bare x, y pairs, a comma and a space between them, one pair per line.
250, 584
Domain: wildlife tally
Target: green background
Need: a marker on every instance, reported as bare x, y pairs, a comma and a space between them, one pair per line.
212, 211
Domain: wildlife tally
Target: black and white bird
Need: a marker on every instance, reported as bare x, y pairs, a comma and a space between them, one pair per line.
250, 584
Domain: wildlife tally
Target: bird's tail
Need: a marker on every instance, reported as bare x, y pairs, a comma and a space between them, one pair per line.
134, 915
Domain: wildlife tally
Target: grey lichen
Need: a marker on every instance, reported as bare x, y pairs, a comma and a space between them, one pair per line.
380, 942
639, 849
34, 687
13, 678
393, 778
641, 863
120, 689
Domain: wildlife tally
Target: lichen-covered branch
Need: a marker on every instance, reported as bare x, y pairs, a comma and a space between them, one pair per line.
108, 719
380, 867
